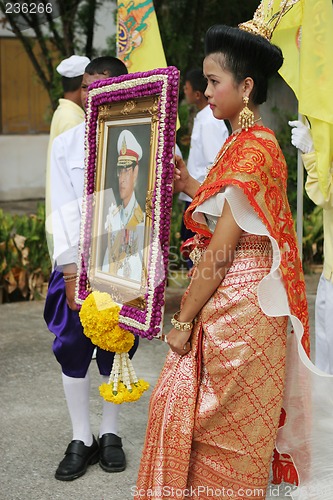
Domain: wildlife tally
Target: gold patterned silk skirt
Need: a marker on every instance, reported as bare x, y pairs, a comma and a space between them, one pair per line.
214, 413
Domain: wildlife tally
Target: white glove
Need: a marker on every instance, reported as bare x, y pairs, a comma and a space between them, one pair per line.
301, 137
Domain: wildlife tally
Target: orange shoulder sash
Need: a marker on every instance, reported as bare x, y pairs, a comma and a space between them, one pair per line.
253, 161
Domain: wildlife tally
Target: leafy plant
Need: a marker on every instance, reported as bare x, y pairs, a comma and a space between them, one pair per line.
313, 239
33, 228
13, 277
176, 260
24, 259
6, 227
183, 133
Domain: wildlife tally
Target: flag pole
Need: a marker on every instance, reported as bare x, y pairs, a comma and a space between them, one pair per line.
300, 188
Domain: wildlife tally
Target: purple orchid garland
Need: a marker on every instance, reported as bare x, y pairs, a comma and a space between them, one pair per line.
163, 83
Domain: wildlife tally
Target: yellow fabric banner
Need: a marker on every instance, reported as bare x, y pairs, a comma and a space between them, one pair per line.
305, 36
139, 42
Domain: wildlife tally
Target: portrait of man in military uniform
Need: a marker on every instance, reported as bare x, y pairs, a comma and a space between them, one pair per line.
125, 222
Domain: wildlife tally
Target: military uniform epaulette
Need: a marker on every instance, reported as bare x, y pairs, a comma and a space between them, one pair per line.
138, 214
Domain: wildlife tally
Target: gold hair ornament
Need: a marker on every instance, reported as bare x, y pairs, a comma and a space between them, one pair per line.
264, 22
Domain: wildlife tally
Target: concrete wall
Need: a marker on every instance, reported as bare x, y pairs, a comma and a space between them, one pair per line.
23, 161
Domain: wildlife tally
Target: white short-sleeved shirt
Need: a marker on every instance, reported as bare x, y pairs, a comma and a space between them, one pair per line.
67, 182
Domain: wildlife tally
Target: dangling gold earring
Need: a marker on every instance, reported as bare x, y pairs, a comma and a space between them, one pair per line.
246, 116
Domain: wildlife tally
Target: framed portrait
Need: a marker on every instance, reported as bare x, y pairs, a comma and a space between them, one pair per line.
126, 215
123, 221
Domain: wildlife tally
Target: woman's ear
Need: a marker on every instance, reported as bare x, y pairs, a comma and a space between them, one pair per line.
248, 85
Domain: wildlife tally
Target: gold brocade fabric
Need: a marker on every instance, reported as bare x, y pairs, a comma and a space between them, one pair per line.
253, 161
214, 413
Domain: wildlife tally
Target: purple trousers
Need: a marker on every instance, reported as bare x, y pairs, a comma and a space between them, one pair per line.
72, 349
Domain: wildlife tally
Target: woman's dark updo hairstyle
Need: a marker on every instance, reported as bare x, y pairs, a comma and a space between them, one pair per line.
245, 55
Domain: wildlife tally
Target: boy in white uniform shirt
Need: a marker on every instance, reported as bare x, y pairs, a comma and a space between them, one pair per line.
71, 347
68, 114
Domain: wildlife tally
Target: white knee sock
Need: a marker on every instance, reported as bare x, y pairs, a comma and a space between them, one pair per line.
109, 422
77, 397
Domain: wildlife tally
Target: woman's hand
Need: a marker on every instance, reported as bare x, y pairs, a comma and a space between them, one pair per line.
179, 341
181, 175
183, 181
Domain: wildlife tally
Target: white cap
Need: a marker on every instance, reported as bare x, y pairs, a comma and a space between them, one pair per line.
73, 66
129, 149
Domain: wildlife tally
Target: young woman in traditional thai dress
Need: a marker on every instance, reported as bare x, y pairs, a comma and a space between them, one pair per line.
214, 413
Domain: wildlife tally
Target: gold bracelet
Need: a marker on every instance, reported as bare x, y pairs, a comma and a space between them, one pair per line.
183, 326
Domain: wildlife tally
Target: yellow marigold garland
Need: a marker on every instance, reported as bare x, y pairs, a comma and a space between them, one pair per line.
123, 385
123, 394
99, 316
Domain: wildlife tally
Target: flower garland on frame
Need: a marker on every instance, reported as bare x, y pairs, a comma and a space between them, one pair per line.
99, 316
163, 83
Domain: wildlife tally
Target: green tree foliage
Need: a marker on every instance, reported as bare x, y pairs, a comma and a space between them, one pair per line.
183, 24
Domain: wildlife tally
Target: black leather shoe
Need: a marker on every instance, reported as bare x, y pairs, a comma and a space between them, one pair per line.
112, 456
77, 458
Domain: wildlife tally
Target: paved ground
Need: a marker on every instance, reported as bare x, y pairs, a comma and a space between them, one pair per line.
34, 421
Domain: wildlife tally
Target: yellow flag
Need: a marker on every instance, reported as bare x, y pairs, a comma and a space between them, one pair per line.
305, 36
139, 42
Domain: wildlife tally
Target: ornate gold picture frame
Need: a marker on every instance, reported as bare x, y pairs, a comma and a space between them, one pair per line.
124, 243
